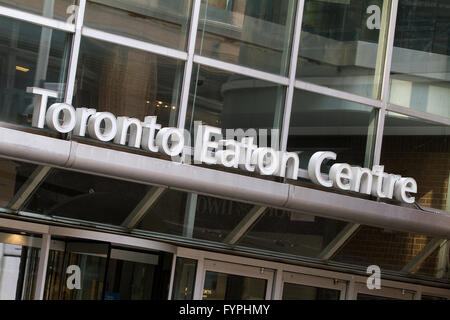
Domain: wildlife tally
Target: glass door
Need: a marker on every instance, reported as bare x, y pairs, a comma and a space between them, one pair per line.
19, 259
297, 286
87, 270
384, 293
134, 275
78, 272
228, 281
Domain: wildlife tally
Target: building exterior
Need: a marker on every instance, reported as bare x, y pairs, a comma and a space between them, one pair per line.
89, 209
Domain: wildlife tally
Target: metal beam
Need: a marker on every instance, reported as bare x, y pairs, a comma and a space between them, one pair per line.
245, 224
432, 245
142, 207
143, 169
29, 188
189, 215
330, 250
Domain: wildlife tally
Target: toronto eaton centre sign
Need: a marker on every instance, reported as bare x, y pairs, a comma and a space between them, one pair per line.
211, 149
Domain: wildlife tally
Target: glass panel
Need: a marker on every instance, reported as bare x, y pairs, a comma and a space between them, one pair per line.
293, 291
421, 150
88, 260
194, 216
388, 249
231, 101
90, 271
222, 286
29, 56
252, 33
420, 71
164, 22
128, 82
81, 196
343, 45
292, 233
19, 260
13, 175
56, 9
321, 123
184, 280
437, 264
137, 276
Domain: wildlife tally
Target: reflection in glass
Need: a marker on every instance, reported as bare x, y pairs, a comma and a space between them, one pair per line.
343, 44
194, 216
184, 279
30, 56
55, 9
231, 101
88, 260
321, 123
19, 260
86, 197
292, 233
390, 250
421, 150
164, 22
94, 271
13, 175
437, 264
136, 276
420, 71
128, 82
252, 33
293, 291
222, 286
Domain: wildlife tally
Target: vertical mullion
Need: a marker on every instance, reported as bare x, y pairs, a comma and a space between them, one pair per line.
386, 83
73, 62
292, 73
189, 64
172, 276
42, 267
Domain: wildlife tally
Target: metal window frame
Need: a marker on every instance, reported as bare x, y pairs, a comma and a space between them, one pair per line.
315, 281
37, 19
353, 281
290, 82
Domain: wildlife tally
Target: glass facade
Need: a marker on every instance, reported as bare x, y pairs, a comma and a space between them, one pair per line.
31, 56
420, 69
161, 22
347, 79
19, 258
232, 101
250, 33
342, 45
55, 9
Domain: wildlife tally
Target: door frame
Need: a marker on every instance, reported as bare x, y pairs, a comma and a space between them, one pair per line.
314, 281
388, 292
257, 272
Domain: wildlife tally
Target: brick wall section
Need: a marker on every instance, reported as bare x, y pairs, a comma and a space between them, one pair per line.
426, 159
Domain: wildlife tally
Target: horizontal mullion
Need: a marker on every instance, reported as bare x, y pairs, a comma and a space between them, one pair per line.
418, 114
36, 19
133, 43
241, 70
337, 94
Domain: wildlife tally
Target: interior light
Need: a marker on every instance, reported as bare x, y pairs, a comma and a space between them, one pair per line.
23, 69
